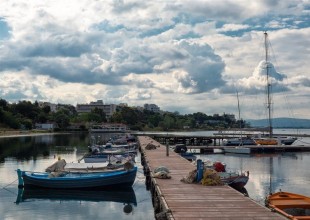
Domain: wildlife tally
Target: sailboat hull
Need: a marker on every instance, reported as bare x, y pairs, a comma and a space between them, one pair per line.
275, 141
266, 142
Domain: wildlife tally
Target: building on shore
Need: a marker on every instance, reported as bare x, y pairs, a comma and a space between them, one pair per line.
49, 126
52, 106
108, 109
152, 108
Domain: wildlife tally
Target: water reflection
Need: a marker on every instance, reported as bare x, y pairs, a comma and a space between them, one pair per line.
33, 147
269, 173
243, 191
125, 195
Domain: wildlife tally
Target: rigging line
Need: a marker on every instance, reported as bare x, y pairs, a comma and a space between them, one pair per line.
138, 187
289, 107
304, 142
142, 200
9, 184
10, 191
4, 187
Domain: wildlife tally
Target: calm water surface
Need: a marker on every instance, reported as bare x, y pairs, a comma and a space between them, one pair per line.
38, 152
268, 172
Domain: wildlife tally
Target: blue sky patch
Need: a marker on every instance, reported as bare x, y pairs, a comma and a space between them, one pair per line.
4, 29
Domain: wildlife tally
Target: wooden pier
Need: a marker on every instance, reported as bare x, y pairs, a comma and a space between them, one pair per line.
173, 199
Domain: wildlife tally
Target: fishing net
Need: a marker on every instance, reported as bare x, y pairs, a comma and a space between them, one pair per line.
211, 178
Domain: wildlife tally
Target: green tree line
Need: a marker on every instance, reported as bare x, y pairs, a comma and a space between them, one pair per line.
25, 114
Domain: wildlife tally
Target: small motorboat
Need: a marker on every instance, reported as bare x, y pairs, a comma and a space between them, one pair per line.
292, 206
105, 157
237, 150
236, 180
103, 153
181, 149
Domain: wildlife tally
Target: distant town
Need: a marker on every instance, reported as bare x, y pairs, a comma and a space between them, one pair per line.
26, 115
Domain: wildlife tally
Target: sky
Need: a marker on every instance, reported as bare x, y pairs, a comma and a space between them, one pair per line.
184, 56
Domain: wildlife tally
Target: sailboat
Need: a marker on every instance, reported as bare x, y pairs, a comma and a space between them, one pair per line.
271, 139
238, 142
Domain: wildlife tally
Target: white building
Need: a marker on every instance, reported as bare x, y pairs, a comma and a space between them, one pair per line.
151, 107
108, 109
52, 106
45, 126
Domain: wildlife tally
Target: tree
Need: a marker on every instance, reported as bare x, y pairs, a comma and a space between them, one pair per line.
46, 109
27, 109
42, 117
168, 122
4, 104
27, 124
9, 119
62, 120
100, 113
117, 117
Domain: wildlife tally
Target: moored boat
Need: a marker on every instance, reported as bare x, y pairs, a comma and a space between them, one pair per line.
281, 140
238, 141
266, 141
109, 148
271, 139
181, 149
291, 205
236, 180
103, 153
106, 157
237, 150
75, 178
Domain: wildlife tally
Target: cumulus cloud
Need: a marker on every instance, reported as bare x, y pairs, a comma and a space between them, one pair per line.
131, 50
233, 27
257, 82
202, 69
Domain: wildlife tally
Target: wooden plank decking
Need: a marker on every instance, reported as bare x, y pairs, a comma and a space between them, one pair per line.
194, 201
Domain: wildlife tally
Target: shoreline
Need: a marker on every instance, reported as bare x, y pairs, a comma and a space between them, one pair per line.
17, 133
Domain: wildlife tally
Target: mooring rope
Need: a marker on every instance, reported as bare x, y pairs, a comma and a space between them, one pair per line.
304, 142
5, 187
9, 184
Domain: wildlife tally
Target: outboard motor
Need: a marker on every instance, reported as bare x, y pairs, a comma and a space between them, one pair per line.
180, 148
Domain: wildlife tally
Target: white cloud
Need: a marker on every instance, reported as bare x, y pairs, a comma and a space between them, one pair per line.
234, 27
135, 51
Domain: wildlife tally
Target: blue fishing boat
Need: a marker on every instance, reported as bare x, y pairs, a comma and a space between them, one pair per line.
76, 180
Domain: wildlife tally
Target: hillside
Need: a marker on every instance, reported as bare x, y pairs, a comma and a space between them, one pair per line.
281, 123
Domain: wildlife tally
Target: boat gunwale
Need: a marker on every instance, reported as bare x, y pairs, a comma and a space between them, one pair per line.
81, 176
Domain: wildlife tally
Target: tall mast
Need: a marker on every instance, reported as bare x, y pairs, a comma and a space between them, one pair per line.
240, 125
268, 85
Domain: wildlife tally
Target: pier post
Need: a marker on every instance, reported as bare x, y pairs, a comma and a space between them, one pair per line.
167, 148
199, 170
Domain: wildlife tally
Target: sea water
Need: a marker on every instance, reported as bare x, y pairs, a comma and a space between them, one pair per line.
286, 171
